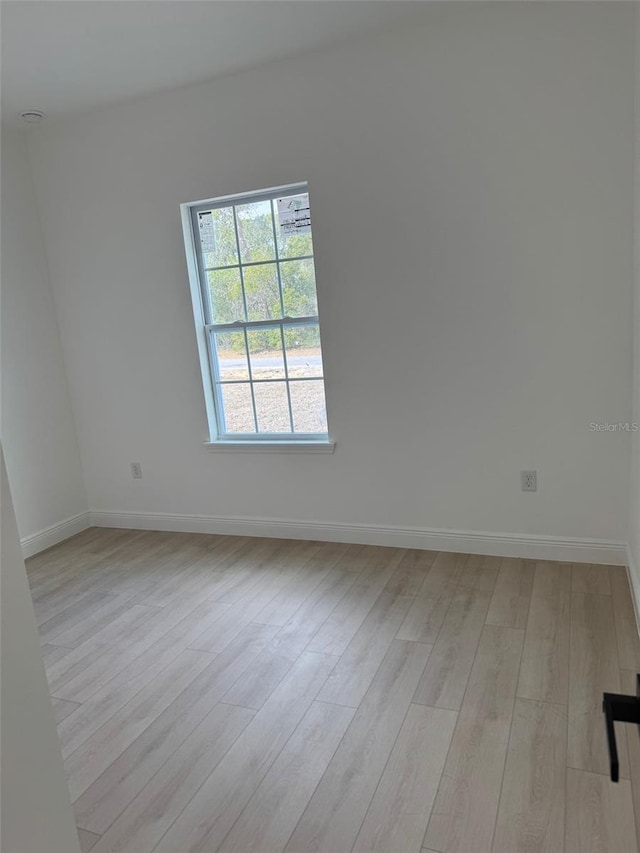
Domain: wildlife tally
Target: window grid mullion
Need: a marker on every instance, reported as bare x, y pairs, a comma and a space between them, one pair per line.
292, 379
286, 376
257, 263
284, 355
244, 295
253, 396
275, 248
263, 324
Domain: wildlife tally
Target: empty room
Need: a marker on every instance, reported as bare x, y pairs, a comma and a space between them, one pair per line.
320, 426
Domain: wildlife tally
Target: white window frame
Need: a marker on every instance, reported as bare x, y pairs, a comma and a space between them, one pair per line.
200, 297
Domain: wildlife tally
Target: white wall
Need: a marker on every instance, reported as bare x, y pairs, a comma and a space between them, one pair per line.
38, 430
35, 804
634, 501
472, 209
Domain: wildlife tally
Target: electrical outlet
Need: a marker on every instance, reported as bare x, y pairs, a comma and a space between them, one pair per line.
529, 481
136, 470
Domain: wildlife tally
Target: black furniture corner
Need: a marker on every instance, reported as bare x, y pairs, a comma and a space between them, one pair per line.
619, 708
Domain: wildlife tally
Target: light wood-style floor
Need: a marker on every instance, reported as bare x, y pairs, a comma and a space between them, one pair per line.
233, 694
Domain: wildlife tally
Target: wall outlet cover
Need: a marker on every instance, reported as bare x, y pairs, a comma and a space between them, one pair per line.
529, 481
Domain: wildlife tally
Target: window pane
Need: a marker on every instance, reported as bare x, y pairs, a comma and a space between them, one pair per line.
225, 287
299, 288
265, 352
255, 231
308, 406
272, 407
304, 355
232, 356
218, 237
238, 408
292, 245
262, 292
256, 267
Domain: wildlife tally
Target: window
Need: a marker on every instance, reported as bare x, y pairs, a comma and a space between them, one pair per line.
254, 292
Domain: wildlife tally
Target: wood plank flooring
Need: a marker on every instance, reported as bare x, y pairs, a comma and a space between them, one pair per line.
218, 693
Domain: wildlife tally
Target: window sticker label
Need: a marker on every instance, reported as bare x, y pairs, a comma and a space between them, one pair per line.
207, 232
294, 214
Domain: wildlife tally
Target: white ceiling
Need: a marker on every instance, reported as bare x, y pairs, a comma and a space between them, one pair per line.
62, 56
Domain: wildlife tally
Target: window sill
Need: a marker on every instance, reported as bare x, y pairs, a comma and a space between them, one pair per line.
271, 446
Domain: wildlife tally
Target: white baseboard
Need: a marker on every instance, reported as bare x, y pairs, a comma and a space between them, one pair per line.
44, 539
465, 541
